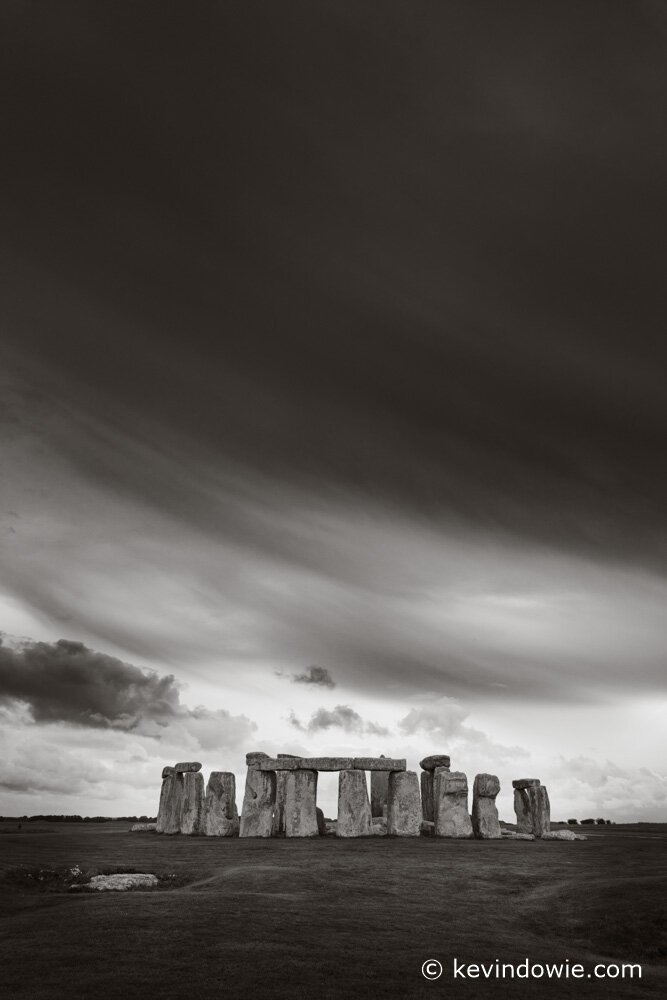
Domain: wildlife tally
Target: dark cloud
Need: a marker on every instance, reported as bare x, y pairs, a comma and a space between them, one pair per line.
415, 259
319, 676
341, 717
66, 682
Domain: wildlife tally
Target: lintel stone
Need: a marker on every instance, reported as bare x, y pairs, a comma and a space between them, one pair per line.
379, 764
187, 765
330, 764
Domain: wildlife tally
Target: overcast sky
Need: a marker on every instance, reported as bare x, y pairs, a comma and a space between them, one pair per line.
332, 384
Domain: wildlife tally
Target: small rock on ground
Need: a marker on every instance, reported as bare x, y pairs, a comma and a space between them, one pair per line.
563, 835
119, 883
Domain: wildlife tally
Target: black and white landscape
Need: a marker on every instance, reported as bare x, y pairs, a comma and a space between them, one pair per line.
333, 422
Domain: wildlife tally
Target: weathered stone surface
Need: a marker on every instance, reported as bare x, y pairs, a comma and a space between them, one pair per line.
485, 823
514, 835
486, 785
525, 782
379, 827
426, 782
379, 786
354, 809
143, 828
171, 798
450, 804
221, 818
332, 826
404, 812
279, 763
168, 771
327, 763
427, 828
278, 826
524, 819
255, 757
187, 765
300, 804
120, 883
321, 822
563, 835
378, 764
192, 803
259, 803
435, 760
540, 809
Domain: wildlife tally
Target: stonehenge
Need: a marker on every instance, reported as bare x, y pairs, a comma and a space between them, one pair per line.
280, 800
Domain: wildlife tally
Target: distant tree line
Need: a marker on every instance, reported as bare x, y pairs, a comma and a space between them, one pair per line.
80, 819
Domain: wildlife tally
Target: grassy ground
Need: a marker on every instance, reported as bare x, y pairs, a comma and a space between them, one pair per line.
326, 918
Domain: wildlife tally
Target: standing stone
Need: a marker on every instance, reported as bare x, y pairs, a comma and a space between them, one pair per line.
435, 760
221, 818
167, 780
403, 805
524, 821
300, 804
379, 787
485, 823
522, 809
278, 826
171, 799
192, 802
540, 809
321, 822
450, 802
259, 802
426, 780
354, 809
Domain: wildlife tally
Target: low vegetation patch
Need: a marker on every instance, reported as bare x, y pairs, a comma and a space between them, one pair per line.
36, 879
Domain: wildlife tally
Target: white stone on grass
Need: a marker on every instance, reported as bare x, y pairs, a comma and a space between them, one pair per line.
120, 883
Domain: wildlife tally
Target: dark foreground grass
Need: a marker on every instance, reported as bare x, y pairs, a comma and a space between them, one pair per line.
326, 918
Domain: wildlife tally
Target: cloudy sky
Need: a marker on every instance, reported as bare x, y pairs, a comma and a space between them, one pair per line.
332, 380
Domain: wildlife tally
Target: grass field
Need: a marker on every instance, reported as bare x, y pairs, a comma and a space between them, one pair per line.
327, 918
